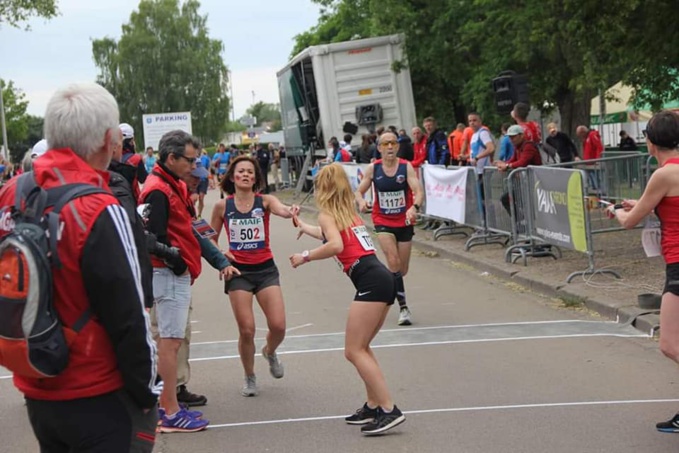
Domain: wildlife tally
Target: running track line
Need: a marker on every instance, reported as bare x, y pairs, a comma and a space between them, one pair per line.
460, 326
436, 343
455, 409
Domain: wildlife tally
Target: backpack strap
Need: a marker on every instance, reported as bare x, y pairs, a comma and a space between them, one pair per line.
34, 197
59, 197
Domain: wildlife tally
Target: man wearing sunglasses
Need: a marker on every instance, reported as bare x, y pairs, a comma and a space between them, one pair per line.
170, 219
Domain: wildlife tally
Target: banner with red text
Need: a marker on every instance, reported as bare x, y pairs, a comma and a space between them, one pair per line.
445, 191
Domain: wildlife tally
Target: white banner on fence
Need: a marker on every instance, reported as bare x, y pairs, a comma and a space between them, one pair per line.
355, 174
445, 192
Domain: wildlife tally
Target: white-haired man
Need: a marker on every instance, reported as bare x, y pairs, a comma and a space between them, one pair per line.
105, 399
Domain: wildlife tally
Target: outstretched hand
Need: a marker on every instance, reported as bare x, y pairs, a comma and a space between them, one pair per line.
228, 273
296, 260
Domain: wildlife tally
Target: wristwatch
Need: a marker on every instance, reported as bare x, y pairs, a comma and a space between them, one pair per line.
305, 255
416, 206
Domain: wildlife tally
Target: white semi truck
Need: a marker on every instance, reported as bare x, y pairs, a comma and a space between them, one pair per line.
347, 87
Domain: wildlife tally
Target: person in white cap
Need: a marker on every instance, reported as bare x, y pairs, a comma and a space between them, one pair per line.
38, 150
130, 157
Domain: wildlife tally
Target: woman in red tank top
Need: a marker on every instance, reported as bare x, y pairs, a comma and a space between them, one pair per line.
662, 195
346, 238
244, 214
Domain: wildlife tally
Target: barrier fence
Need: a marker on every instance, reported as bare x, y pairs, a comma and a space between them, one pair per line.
536, 211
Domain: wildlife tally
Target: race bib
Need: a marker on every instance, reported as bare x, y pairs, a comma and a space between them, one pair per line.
246, 234
392, 202
650, 240
363, 236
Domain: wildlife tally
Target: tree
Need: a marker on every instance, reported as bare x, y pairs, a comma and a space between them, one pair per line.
13, 12
569, 49
266, 113
16, 119
166, 62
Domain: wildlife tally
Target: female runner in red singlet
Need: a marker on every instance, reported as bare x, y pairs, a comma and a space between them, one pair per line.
244, 214
662, 195
347, 239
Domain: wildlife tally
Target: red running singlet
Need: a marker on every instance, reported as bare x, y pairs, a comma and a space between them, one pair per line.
357, 244
248, 232
668, 213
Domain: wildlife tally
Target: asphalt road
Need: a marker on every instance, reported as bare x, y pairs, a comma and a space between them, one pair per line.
486, 367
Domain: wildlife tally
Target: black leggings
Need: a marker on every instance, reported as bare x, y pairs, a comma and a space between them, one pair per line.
110, 423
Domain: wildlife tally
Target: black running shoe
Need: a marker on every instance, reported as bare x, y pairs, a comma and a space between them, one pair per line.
188, 398
362, 416
383, 422
670, 426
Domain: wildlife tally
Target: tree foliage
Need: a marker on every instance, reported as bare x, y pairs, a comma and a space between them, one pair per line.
569, 49
165, 62
13, 12
16, 119
266, 113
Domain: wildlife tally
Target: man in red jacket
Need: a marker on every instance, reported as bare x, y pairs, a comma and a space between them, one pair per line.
525, 153
592, 148
105, 400
170, 220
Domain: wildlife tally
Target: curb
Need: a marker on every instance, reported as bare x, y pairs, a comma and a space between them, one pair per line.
647, 321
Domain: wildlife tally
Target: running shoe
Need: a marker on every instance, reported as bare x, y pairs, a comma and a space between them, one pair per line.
670, 426
195, 414
404, 318
250, 386
383, 422
182, 422
188, 398
362, 416
275, 365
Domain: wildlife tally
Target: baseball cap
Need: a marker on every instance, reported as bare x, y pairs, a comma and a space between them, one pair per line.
200, 171
127, 130
39, 149
514, 130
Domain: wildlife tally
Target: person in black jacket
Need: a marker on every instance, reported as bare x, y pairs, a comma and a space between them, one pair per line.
563, 144
627, 143
119, 183
405, 146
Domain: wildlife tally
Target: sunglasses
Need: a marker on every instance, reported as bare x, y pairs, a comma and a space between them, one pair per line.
389, 142
191, 160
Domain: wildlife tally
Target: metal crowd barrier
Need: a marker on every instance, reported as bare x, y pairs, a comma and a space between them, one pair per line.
522, 208
495, 220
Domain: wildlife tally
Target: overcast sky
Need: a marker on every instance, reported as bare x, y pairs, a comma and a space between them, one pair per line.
257, 36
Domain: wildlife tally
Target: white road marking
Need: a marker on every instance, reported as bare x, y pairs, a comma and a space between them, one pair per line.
436, 343
299, 327
456, 409
196, 331
411, 329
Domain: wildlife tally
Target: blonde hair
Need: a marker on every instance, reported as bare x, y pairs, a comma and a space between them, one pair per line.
335, 196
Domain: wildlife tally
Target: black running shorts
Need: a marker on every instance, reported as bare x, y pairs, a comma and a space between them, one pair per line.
402, 234
373, 281
672, 279
202, 186
254, 280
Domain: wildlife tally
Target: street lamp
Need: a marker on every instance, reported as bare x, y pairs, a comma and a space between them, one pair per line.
5, 147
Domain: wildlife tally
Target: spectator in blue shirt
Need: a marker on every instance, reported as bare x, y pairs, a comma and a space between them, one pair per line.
149, 159
506, 147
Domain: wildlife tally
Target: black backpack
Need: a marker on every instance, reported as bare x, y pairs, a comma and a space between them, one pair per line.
548, 153
33, 341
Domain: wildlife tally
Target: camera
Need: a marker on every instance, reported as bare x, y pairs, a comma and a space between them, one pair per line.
170, 255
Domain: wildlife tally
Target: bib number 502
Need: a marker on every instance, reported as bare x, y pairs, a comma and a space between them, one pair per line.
249, 234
